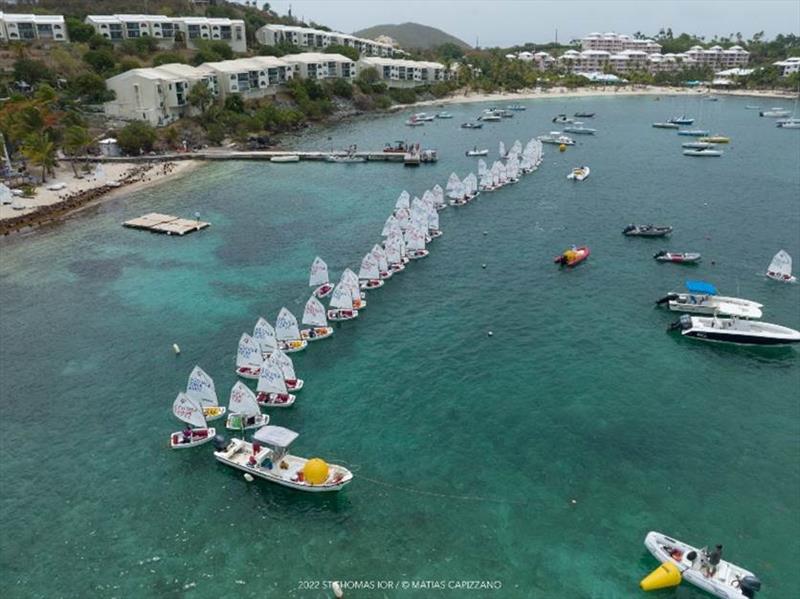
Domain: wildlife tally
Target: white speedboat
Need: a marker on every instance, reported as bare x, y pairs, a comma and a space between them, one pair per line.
267, 458
775, 112
556, 138
667, 125
197, 431
424, 117
789, 124
707, 153
314, 317
702, 298
318, 278
733, 330
780, 269
412, 122
243, 410
200, 387
697, 145
476, 152
579, 173
444, 115
288, 333
724, 579
580, 130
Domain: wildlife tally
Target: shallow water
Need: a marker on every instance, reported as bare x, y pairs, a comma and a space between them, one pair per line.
538, 457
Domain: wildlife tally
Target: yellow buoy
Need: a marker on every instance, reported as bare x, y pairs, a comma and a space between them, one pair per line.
665, 576
315, 471
562, 147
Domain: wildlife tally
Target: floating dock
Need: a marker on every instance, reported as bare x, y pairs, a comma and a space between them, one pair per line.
255, 155
166, 224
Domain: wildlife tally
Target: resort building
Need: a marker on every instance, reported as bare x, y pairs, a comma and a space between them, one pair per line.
788, 66
250, 78
406, 73
168, 30
717, 58
315, 65
26, 28
615, 43
316, 39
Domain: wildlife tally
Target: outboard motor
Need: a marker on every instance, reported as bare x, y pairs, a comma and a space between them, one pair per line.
220, 443
749, 586
683, 323
628, 228
667, 298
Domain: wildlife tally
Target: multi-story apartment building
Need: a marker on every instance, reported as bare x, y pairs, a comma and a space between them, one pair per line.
250, 78
168, 29
406, 73
26, 28
615, 43
788, 66
717, 58
306, 37
315, 65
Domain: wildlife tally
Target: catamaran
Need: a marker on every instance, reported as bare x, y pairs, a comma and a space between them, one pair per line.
267, 458
288, 333
248, 358
244, 412
197, 431
369, 277
314, 317
200, 387
703, 298
780, 269
318, 278
271, 388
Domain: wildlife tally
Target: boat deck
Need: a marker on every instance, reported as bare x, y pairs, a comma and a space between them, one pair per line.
166, 224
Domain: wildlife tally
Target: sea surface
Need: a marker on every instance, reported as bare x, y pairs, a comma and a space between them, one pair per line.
536, 458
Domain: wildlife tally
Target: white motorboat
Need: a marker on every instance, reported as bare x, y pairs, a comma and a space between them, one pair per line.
444, 115
775, 112
272, 390
697, 145
200, 387
681, 120
369, 276
424, 117
314, 317
491, 116
789, 124
563, 118
243, 410
318, 278
248, 357
412, 122
702, 298
707, 153
752, 107
349, 158
723, 579
197, 431
285, 159
678, 257
288, 333
734, 330
580, 130
666, 125
476, 152
780, 268
556, 138
267, 458
579, 173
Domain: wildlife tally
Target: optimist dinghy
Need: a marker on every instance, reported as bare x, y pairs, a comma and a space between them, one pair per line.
288, 333
314, 316
197, 432
341, 304
780, 269
287, 368
248, 358
264, 336
724, 579
318, 278
272, 390
243, 410
267, 458
200, 387
384, 270
369, 276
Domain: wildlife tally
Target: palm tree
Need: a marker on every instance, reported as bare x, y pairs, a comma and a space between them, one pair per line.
41, 151
76, 140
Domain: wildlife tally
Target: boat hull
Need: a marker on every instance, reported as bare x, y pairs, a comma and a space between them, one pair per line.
204, 435
292, 346
275, 400
342, 315
232, 423
212, 413
323, 290
318, 333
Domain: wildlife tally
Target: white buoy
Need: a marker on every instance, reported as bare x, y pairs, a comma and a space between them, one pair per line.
248, 477
176, 348
490, 333
337, 589
483, 265
486, 232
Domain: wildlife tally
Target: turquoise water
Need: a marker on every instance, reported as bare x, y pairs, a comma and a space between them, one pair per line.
538, 457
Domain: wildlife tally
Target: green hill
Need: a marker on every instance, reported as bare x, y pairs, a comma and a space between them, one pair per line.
413, 36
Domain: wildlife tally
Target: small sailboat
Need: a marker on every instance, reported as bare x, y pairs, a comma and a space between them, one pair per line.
379, 254
579, 173
244, 412
573, 256
780, 269
267, 458
403, 202
318, 278
415, 243
197, 431
287, 368
394, 255
248, 357
272, 390
501, 150
288, 333
369, 276
314, 317
350, 280
341, 304
264, 336
200, 387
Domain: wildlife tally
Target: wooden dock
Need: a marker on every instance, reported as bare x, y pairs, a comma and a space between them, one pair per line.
166, 224
254, 155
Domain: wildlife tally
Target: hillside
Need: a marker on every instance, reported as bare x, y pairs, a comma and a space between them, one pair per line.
413, 36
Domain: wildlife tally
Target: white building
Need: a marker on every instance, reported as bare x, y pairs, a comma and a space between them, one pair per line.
788, 66
315, 65
25, 28
616, 43
717, 58
250, 78
306, 37
406, 73
169, 29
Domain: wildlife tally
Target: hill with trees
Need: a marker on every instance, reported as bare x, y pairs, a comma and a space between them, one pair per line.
413, 36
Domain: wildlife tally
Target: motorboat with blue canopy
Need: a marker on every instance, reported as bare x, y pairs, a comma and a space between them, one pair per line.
701, 287
703, 298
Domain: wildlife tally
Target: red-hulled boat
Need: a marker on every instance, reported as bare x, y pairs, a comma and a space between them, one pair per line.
573, 256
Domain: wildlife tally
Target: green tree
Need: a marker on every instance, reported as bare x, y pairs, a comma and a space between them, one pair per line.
76, 141
136, 137
347, 51
32, 71
41, 151
167, 58
200, 96
234, 103
101, 61
78, 30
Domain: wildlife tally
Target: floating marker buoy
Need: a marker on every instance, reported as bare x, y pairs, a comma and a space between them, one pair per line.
486, 232
483, 265
248, 477
562, 148
490, 333
176, 348
337, 590
665, 576
574, 501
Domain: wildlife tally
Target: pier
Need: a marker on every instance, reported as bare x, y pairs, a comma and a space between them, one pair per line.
253, 155
166, 224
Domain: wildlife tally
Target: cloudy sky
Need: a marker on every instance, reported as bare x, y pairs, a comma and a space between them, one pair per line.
510, 22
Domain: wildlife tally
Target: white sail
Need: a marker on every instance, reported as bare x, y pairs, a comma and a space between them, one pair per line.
369, 268
264, 336
270, 379
781, 264
188, 410
433, 221
402, 200
350, 278
481, 167
415, 239
428, 197
452, 182
314, 314
341, 297
243, 401
286, 328
457, 192
390, 225
319, 273
380, 257
249, 353
502, 150
403, 218
200, 388
286, 365
517, 147
393, 252
438, 195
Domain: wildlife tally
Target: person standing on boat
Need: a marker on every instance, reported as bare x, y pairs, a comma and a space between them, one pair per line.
714, 559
